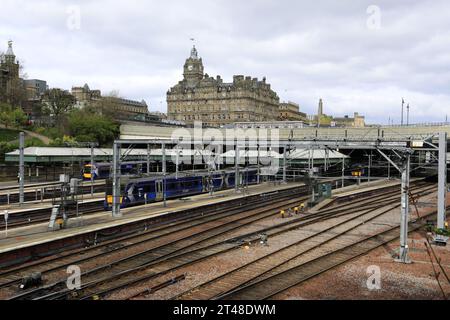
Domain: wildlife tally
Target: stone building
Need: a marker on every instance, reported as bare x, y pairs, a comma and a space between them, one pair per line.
290, 111
84, 95
320, 108
199, 97
284, 124
32, 105
322, 119
357, 121
119, 108
9, 76
35, 88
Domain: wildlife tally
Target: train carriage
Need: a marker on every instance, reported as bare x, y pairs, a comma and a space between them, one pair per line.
150, 189
102, 170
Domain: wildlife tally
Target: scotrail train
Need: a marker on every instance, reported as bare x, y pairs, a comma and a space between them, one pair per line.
102, 170
150, 189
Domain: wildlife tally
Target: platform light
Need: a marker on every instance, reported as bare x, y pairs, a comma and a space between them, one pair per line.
417, 144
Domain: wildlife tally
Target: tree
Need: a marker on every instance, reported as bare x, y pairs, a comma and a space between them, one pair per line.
87, 125
58, 102
11, 116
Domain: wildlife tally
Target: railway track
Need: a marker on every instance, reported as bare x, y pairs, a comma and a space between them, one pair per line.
240, 282
14, 275
157, 268
40, 215
172, 255
172, 244
276, 283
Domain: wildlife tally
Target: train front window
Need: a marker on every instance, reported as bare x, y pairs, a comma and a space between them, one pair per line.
87, 169
109, 186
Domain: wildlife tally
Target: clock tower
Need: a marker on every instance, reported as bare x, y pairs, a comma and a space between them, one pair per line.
193, 69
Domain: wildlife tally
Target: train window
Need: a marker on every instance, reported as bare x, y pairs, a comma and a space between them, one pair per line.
149, 187
108, 186
170, 185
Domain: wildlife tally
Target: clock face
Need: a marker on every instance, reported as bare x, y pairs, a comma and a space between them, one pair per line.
190, 67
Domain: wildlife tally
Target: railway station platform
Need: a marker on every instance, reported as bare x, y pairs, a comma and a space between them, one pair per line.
44, 204
358, 191
14, 188
85, 228
41, 192
11, 184
33, 235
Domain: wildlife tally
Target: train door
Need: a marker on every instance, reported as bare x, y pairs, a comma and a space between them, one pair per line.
159, 190
205, 184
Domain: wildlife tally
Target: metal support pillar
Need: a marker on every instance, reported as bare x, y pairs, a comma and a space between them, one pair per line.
370, 166
92, 170
343, 171
389, 168
148, 158
442, 187
164, 172
403, 251
21, 166
236, 168
116, 180
309, 159
258, 173
177, 156
284, 164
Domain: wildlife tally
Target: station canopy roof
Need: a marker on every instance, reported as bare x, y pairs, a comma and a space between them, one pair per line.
304, 154
251, 154
297, 154
68, 154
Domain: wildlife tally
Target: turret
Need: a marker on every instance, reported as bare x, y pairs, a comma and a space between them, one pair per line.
9, 56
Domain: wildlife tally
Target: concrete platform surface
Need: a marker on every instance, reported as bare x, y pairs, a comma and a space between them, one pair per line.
37, 234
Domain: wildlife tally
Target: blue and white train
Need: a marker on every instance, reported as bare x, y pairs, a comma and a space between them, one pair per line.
151, 189
102, 170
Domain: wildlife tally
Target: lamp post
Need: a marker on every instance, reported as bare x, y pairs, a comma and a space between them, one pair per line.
403, 102
407, 115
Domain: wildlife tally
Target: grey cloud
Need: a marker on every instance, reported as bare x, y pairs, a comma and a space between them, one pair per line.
307, 50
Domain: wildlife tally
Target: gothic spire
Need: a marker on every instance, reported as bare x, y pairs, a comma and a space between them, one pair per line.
9, 52
9, 55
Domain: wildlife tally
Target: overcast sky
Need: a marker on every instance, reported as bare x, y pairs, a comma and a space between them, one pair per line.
357, 55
